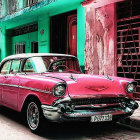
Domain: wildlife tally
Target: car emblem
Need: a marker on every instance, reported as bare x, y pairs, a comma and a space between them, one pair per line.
74, 79
97, 88
109, 78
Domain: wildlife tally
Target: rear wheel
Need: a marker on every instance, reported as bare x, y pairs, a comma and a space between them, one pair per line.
35, 116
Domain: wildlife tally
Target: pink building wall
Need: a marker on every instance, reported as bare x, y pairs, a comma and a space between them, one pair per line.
100, 39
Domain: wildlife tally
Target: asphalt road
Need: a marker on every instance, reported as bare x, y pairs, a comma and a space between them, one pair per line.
12, 127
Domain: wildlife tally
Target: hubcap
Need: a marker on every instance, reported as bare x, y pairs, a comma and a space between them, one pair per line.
33, 116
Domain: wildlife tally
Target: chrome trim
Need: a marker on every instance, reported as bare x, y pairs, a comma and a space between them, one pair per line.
28, 88
27, 55
134, 83
95, 106
55, 114
59, 84
66, 99
73, 78
9, 85
62, 111
109, 78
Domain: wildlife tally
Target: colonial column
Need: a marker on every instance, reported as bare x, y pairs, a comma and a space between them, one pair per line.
44, 34
3, 43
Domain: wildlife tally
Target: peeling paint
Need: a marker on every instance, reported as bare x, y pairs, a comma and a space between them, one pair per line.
26, 9
99, 46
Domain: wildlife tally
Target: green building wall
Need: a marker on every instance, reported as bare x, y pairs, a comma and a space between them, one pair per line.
40, 14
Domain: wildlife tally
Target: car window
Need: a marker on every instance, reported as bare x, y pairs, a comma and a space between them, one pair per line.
35, 64
51, 64
6, 67
28, 67
15, 66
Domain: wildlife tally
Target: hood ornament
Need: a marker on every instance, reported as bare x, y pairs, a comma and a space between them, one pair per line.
74, 79
109, 78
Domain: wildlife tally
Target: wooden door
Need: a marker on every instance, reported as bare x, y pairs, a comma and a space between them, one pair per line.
72, 35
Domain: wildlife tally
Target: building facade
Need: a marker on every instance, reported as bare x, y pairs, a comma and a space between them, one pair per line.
112, 44
31, 26
103, 34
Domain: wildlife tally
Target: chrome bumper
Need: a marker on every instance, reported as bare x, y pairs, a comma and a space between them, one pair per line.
57, 114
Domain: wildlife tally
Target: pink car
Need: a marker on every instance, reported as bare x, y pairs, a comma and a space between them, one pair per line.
52, 86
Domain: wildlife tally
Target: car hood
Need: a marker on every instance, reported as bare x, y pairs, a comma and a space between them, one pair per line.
84, 85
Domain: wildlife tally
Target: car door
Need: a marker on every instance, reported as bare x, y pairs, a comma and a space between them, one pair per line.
1, 85
11, 85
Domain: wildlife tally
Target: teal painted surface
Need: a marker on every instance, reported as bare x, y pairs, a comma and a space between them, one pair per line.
81, 35
3, 43
27, 39
44, 33
42, 13
44, 5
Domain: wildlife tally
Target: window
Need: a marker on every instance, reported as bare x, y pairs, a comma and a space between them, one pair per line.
11, 6
19, 48
34, 47
6, 67
128, 41
15, 67
31, 2
25, 29
51, 64
28, 67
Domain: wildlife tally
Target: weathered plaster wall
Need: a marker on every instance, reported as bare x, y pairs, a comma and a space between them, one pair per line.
20, 4
11, 6
2, 8
100, 40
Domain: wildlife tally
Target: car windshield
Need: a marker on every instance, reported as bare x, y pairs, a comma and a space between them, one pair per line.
51, 64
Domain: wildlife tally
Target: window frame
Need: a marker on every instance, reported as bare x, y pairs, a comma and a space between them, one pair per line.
20, 65
3, 65
19, 68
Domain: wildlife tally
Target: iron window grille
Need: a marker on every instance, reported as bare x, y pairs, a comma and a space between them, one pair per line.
19, 48
11, 6
31, 2
128, 41
25, 29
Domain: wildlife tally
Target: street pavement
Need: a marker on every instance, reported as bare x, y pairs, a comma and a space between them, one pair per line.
12, 127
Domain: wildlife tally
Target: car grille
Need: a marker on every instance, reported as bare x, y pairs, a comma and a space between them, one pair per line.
86, 101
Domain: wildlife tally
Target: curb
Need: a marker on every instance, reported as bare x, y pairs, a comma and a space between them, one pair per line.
132, 122
131, 125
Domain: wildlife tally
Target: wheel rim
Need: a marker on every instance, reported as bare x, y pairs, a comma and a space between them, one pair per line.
33, 116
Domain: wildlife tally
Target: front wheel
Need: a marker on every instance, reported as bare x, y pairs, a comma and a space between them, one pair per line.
34, 116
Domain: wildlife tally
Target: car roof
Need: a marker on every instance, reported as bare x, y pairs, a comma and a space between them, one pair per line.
27, 55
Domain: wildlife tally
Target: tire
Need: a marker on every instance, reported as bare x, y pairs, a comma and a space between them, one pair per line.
34, 116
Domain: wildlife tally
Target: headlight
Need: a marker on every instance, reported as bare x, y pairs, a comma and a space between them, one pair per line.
131, 88
59, 90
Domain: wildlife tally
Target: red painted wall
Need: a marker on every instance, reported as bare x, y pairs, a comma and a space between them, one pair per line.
100, 39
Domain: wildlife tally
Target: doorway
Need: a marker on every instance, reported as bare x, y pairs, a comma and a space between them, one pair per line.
34, 47
63, 34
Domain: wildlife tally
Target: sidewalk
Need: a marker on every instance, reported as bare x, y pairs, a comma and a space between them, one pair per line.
133, 122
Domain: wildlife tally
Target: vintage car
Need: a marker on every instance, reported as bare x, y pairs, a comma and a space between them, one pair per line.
52, 87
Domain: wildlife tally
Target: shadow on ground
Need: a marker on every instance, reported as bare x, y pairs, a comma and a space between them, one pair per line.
73, 130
